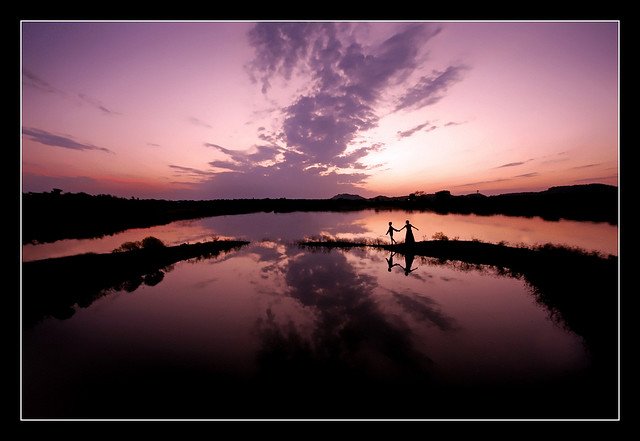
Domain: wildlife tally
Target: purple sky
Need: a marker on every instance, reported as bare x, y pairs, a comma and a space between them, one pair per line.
299, 109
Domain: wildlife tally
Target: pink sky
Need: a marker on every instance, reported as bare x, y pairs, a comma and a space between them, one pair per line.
244, 109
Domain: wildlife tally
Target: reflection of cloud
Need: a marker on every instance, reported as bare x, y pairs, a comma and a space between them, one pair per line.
425, 309
296, 226
46, 138
349, 324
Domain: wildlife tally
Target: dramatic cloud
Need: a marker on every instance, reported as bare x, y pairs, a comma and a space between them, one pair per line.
97, 104
410, 132
345, 81
197, 122
66, 142
430, 89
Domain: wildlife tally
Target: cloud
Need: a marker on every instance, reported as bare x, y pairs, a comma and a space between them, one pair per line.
97, 104
430, 89
351, 159
527, 175
197, 122
227, 165
32, 80
189, 171
586, 166
152, 144
598, 178
344, 81
510, 164
492, 181
454, 123
46, 138
249, 157
410, 132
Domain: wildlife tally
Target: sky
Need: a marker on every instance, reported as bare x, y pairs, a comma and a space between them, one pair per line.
207, 110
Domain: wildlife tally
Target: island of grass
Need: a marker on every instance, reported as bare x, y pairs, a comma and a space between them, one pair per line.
53, 287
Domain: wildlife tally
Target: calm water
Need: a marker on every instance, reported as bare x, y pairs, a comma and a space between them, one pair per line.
274, 330
371, 224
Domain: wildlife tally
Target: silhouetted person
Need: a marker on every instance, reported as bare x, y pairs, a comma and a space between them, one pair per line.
409, 239
408, 262
390, 232
390, 261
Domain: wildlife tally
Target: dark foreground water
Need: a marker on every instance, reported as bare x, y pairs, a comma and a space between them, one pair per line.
276, 331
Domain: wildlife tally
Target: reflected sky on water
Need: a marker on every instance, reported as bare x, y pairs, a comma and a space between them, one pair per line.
275, 314
371, 224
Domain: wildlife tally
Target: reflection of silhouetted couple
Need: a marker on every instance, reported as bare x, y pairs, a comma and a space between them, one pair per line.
408, 262
409, 239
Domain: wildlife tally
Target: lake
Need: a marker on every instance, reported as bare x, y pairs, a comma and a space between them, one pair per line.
273, 330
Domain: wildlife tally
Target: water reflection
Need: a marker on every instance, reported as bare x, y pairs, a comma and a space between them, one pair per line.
287, 227
276, 331
54, 288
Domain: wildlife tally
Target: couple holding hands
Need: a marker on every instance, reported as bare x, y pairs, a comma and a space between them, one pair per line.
409, 239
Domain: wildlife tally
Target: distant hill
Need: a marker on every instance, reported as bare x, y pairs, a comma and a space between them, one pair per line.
347, 196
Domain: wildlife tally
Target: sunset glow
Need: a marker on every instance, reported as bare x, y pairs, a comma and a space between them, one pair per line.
199, 110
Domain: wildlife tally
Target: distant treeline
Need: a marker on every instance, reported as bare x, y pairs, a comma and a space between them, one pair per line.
47, 217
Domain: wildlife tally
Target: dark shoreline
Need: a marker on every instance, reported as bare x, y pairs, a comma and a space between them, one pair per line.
51, 287
47, 217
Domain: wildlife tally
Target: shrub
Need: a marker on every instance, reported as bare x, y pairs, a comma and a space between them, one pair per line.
127, 246
148, 243
440, 236
152, 243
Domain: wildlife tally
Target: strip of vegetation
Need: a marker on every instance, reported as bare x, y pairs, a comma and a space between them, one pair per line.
52, 287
